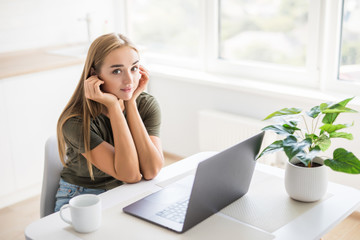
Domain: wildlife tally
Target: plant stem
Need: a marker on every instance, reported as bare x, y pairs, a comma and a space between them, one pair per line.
312, 126
307, 129
317, 121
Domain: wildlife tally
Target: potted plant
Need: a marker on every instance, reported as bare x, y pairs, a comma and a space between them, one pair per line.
305, 172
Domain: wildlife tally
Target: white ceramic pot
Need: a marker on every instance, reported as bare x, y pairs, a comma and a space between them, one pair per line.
306, 184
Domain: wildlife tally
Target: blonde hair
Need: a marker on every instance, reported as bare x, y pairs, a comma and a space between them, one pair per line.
79, 105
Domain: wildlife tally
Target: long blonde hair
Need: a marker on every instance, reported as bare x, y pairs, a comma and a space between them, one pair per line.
79, 105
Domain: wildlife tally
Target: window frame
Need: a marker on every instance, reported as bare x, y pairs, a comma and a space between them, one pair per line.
323, 48
170, 60
307, 76
332, 51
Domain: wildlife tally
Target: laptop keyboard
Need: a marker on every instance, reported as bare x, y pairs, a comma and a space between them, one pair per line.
175, 212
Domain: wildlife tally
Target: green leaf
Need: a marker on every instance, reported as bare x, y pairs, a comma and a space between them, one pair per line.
312, 136
284, 111
314, 112
332, 128
306, 158
345, 135
291, 125
293, 148
280, 129
339, 109
324, 106
274, 147
314, 152
344, 161
332, 104
346, 101
323, 142
331, 117
287, 126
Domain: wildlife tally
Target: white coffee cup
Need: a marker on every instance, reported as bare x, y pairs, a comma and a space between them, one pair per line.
85, 212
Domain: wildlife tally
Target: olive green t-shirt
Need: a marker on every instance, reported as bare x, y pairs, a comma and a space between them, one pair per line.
77, 171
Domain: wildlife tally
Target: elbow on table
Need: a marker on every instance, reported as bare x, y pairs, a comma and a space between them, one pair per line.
131, 178
149, 175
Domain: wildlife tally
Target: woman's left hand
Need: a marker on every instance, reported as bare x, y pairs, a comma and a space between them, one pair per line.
143, 81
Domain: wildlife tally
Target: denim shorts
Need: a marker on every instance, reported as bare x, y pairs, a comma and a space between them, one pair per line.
67, 191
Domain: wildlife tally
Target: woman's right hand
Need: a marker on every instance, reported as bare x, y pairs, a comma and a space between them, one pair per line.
93, 92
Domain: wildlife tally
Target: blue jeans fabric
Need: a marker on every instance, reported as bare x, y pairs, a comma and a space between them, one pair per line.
67, 191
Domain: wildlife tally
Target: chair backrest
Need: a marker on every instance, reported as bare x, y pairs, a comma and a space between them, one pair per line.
51, 177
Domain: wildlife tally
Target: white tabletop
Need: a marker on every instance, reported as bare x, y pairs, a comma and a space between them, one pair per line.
265, 212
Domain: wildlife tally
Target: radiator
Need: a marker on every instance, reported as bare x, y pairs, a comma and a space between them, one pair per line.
220, 130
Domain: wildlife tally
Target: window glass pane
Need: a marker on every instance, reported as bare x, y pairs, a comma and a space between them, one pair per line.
271, 31
350, 47
166, 27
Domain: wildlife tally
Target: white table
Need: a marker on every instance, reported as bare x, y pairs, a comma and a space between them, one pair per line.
265, 212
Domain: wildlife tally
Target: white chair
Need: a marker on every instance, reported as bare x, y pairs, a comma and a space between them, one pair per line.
51, 177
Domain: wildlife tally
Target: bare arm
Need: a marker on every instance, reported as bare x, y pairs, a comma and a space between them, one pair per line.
149, 148
120, 161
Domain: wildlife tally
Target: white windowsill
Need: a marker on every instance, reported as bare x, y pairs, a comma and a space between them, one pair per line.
247, 85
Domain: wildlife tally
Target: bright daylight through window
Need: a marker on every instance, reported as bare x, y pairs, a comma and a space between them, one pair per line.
166, 27
309, 43
349, 68
273, 31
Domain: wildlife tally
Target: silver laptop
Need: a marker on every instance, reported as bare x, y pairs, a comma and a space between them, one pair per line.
218, 181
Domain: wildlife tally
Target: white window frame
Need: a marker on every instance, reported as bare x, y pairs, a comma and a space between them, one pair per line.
155, 58
120, 16
331, 51
307, 76
323, 48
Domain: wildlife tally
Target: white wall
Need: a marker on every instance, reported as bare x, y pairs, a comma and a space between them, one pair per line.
181, 99
26, 24
30, 107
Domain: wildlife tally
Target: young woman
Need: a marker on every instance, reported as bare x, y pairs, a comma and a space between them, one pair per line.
109, 130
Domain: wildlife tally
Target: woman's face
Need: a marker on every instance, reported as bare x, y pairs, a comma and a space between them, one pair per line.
120, 72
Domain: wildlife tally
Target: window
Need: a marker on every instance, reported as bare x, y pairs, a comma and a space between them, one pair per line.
272, 31
310, 43
269, 40
349, 67
166, 28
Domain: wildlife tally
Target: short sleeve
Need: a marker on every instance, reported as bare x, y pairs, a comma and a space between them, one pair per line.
74, 137
150, 113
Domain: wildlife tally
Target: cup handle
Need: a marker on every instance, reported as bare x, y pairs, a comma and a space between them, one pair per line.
62, 216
